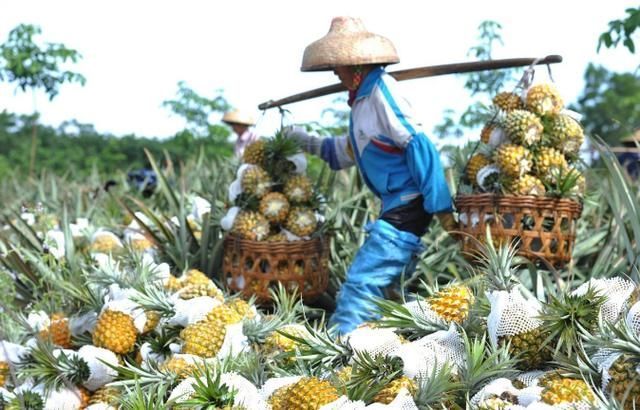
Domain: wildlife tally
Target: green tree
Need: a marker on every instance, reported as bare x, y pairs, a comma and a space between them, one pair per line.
610, 103
196, 110
33, 66
622, 30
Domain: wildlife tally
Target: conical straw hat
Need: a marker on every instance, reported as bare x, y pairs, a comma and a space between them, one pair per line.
238, 117
635, 137
348, 43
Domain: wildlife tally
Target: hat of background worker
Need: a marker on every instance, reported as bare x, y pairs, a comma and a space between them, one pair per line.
238, 117
348, 43
633, 138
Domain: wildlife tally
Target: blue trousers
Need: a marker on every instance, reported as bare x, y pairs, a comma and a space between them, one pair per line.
379, 263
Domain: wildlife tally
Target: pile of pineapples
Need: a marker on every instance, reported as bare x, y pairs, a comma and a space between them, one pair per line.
278, 201
531, 146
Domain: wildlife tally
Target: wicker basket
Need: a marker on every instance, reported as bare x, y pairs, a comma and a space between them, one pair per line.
544, 228
253, 267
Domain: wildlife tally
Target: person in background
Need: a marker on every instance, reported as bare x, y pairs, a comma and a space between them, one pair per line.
396, 160
240, 122
629, 154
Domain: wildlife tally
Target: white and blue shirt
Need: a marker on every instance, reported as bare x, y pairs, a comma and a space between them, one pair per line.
395, 158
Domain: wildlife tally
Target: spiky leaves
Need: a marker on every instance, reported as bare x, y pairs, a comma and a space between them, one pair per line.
370, 374
53, 367
276, 152
209, 391
499, 264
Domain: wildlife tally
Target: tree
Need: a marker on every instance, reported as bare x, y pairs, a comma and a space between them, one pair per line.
610, 103
197, 110
621, 30
32, 67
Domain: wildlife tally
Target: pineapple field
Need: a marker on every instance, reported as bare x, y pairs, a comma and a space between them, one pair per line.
118, 300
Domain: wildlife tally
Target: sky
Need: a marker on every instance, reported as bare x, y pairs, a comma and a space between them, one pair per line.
135, 53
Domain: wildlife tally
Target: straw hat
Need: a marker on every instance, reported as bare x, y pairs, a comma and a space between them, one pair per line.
635, 137
631, 139
348, 43
238, 117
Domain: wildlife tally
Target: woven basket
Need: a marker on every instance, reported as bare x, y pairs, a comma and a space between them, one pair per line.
254, 267
544, 228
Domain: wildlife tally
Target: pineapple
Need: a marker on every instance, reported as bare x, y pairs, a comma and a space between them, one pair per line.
242, 307
453, 303
224, 314
495, 403
201, 289
203, 338
513, 160
251, 225
487, 135
476, 162
277, 342
278, 399
298, 189
301, 221
544, 99
391, 389
256, 181
4, 373
195, 277
106, 242
141, 244
624, 384
179, 366
277, 237
526, 185
508, 101
153, 318
106, 395
523, 127
254, 153
528, 348
566, 390
564, 133
310, 393
548, 161
58, 331
115, 331
275, 207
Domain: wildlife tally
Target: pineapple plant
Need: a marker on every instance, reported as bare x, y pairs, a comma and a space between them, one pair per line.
513, 160
106, 395
255, 181
225, 314
115, 331
544, 99
563, 133
58, 331
523, 127
309, 393
476, 162
298, 189
203, 338
452, 303
561, 390
254, 153
547, 161
508, 101
301, 221
275, 207
391, 389
526, 185
251, 225
624, 382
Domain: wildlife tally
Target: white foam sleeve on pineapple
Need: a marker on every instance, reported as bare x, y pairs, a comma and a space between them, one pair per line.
199, 207
484, 173
86, 322
421, 310
530, 378
299, 161
374, 341
227, 220
633, 318
12, 352
192, 310
38, 320
148, 355
247, 395
235, 342
235, 188
570, 113
617, 292
183, 391
497, 137
343, 403
99, 373
427, 356
270, 386
100, 406
528, 397
511, 314
603, 360
291, 237
63, 399
134, 225
54, 239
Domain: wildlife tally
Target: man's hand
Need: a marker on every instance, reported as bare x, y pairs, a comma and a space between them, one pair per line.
308, 143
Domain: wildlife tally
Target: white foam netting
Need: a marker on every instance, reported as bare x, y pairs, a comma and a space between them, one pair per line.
247, 395
374, 341
403, 401
603, 359
235, 188
424, 357
273, 384
192, 310
235, 342
497, 387
183, 390
97, 359
530, 378
511, 314
420, 309
633, 318
226, 222
12, 352
617, 291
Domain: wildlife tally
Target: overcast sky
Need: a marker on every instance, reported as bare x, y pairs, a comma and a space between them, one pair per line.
135, 52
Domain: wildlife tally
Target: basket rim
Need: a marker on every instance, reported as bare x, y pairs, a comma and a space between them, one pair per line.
517, 200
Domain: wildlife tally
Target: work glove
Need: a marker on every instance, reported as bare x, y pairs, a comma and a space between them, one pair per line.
308, 143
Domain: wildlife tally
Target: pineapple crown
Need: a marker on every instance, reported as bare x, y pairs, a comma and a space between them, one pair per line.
54, 367
498, 264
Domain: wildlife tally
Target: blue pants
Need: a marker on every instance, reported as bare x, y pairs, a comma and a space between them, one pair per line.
384, 256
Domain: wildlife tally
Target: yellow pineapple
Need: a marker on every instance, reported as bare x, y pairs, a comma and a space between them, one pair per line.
195, 277
153, 318
275, 207
549, 161
523, 127
526, 185
544, 99
106, 242
624, 384
106, 395
141, 244
58, 331
278, 399
172, 284
487, 130
301, 221
508, 101
4, 373
453, 303
277, 342
202, 289
203, 338
242, 307
225, 314
277, 237
310, 393
476, 163
513, 160
564, 133
254, 153
256, 181
179, 366
528, 348
251, 225
115, 331
566, 390
298, 189
391, 390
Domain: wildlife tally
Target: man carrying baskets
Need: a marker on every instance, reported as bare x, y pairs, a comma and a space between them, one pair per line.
395, 158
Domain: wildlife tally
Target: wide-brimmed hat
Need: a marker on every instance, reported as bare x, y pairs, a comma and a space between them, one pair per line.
348, 43
238, 117
635, 137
